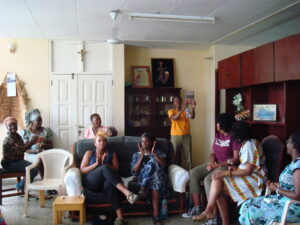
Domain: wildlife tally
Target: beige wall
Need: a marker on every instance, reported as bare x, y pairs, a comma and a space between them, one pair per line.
30, 62
119, 92
192, 72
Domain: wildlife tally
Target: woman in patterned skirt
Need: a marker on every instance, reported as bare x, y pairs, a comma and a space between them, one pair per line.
257, 211
148, 165
246, 181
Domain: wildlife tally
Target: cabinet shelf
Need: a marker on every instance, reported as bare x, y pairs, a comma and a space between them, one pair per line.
156, 101
269, 123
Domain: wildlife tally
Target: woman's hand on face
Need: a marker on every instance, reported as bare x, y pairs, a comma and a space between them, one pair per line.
272, 186
219, 175
153, 148
141, 149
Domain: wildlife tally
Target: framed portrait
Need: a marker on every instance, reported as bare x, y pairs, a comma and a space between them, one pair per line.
264, 112
141, 77
162, 72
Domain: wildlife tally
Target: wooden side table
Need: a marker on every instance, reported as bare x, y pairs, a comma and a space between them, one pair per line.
68, 203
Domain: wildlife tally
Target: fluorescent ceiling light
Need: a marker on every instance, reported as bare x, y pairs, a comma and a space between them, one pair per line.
165, 17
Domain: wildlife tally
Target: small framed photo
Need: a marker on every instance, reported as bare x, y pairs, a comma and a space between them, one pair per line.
264, 112
141, 77
162, 72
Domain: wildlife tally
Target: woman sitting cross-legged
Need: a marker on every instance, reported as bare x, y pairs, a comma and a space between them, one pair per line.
257, 211
99, 169
246, 181
148, 165
13, 152
224, 153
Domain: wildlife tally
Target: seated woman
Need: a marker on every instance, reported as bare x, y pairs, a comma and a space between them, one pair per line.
225, 152
257, 211
99, 169
43, 135
96, 126
246, 181
13, 151
147, 165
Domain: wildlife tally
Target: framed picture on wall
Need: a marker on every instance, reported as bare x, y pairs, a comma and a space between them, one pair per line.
162, 72
141, 77
264, 112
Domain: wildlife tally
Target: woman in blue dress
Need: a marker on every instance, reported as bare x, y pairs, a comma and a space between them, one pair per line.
259, 212
148, 166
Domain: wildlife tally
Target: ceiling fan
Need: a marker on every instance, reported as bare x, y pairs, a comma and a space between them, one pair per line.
114, 39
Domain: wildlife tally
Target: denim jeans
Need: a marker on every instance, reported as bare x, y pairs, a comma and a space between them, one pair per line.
19, 166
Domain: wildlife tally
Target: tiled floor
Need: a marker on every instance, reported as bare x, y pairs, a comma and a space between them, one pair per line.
12, 210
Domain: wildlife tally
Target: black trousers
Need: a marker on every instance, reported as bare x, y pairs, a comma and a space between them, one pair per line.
104, 180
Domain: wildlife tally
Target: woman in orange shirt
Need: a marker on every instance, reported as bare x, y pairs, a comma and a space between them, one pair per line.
180, 130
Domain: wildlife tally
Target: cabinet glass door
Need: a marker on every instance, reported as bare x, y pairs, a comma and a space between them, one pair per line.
139, 110
163, 104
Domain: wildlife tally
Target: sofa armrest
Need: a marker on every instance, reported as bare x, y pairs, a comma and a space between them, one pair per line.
73, 182
178, 178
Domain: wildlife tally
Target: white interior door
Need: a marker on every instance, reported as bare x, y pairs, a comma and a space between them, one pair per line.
94, 96
63, 104
75, 92
73, 99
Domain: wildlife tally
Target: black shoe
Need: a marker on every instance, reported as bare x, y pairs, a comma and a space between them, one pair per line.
156, 220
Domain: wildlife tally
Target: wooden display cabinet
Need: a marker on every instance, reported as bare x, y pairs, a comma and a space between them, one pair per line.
146, 110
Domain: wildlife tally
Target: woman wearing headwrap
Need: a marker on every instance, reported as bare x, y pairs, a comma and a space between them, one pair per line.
43, 141
13, 151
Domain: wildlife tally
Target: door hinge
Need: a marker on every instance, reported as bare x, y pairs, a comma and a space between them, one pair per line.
51, 82
72, 75
112, 82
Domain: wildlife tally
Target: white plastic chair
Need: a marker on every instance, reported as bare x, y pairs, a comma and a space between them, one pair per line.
56, 163
284, 212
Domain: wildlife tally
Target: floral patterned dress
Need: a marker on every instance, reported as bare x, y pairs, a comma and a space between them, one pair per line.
151, 174
257, 211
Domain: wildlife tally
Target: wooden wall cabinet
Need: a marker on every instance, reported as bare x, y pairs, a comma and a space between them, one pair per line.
229, 72
258, 65
146, 110
287, 58
284, 94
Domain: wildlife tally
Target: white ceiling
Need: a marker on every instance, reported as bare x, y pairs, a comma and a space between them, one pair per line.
243, 22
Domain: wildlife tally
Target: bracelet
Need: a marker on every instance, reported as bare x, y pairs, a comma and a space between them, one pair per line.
229, 173
277, 191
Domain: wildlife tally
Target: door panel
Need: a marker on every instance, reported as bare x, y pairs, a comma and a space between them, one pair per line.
62, 111
94, 96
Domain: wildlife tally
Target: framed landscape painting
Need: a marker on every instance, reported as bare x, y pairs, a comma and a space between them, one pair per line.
162, 72
264, 112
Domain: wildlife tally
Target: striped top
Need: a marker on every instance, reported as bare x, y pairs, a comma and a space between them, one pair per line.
242, 188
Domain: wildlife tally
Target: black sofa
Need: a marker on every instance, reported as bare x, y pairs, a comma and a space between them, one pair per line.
125, 147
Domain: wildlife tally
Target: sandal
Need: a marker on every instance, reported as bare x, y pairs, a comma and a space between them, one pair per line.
203, 216
119, 221
156, 220
132, 198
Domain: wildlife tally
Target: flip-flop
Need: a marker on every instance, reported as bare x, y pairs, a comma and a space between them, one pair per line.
203, 216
